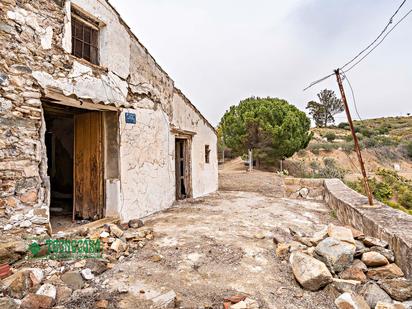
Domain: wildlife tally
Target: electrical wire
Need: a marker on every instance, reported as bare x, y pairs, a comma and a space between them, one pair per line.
379, 36
353, 95
381, 41
369, 46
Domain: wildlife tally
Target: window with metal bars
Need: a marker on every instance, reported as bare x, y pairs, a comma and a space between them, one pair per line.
85, 40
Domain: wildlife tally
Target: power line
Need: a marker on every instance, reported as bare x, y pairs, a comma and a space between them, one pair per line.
381, 41
353, 95
370, 45
379, 36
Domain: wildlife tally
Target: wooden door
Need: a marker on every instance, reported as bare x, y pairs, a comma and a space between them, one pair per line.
180, 169
88, 166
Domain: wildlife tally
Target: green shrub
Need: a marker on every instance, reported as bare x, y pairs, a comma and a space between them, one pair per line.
366, 132
330, 170
409, 149
392, 189
330, 136
405, 199
348, 147
314, 165
302, 153
344, 125
383, 129
369, 143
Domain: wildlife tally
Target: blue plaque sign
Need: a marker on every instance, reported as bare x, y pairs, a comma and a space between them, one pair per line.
130, 118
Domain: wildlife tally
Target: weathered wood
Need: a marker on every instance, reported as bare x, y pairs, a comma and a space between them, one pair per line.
88, 166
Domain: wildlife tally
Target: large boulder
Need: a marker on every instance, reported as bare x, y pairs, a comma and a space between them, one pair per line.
353, 273
73, 280
389, 271
351, 301
374, 259
342, 285
372, 293
21, 283
309, 272
399, 289
336, 254
341, 233
382, 305
385, 252
8, 303
35, 301
371, 242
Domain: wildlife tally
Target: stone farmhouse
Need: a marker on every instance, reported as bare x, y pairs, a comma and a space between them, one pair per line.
90, 124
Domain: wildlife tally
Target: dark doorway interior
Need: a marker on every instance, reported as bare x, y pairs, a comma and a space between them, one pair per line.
182, 159
74, 141
59, 140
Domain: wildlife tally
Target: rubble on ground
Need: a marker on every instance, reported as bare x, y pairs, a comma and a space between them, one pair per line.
65, 283
359, 271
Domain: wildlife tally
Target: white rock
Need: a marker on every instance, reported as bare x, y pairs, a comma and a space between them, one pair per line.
240, 305
166, 300
25, 223
37, 273
351, 301
47, 38
303, 192
47, 289
104, 234
87, 274
7, 227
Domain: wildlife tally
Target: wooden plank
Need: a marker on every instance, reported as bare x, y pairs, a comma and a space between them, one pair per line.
88, 165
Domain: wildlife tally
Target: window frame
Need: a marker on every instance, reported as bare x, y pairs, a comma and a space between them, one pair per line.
86, 41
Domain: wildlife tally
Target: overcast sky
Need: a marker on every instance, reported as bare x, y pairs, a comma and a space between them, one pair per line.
221, 51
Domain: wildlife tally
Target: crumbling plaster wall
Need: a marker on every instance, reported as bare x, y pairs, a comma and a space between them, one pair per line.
35, 47
187, 117
147, 164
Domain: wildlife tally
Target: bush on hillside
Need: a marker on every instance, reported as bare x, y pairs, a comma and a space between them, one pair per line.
344, 125
409, 149
330, 136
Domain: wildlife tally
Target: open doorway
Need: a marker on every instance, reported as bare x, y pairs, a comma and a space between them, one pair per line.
75, 155
183, 171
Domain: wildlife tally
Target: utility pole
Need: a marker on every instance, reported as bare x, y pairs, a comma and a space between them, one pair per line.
355, 138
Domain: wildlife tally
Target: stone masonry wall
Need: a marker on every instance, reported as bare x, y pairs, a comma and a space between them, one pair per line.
383, 222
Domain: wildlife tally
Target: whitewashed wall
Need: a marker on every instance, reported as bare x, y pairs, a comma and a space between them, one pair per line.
204, 175
147, 164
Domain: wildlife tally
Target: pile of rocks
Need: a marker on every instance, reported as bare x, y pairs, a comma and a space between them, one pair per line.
360, 271
47, 283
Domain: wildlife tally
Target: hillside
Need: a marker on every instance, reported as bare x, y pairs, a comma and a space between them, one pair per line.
383, 142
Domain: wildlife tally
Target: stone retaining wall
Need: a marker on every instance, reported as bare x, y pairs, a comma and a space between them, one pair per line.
307, 188
382, 221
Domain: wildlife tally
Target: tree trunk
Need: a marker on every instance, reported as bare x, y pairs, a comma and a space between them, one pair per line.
250, 160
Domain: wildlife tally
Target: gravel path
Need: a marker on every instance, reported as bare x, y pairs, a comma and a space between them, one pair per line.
209, 248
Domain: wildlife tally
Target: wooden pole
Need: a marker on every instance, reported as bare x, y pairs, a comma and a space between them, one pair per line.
355, 138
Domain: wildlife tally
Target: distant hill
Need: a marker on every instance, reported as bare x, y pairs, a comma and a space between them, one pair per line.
383, 142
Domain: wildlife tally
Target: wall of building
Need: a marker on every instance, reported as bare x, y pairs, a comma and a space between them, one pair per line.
36, 62
186, 117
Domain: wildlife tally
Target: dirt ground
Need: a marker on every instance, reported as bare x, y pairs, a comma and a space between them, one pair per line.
209, 248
